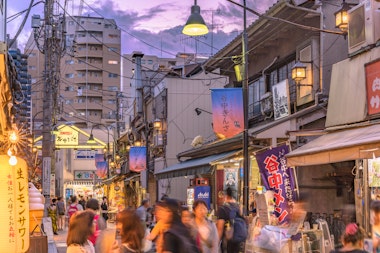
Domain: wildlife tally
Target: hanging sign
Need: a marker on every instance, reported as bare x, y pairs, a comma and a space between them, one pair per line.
372, 75
66, 136
227, 112
14, 207
279, 178
137, 159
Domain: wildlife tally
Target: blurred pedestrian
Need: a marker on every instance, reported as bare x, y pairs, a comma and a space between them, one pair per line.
177, 239
352, 239
207, 233
81, 226
157, 233
61, 213
106, 242
104, 209
375, 221
132, 232
73, 207
223, 215
53, 214
142, 211
93, 205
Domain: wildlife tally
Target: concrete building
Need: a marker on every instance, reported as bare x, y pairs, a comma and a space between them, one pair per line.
90, 72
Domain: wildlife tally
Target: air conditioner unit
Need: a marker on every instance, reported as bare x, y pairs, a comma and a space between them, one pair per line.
363, 25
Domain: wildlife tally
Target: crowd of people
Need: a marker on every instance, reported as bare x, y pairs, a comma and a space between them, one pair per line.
164, 227
168, 227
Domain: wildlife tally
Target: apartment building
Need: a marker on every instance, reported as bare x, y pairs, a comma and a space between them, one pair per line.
89, 72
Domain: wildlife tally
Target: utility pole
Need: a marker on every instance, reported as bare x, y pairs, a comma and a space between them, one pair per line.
52, 30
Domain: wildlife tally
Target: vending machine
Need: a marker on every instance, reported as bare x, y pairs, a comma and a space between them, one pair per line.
199, 189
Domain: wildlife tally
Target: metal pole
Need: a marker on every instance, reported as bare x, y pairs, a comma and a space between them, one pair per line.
245, 109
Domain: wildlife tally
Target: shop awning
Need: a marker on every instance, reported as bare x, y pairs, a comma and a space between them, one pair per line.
192, 166
338, 146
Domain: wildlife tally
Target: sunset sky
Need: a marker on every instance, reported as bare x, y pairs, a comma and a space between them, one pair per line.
154, 26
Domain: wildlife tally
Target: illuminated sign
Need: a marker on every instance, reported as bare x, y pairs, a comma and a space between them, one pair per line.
14, 207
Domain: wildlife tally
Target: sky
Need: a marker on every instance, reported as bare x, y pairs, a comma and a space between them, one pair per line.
153, 27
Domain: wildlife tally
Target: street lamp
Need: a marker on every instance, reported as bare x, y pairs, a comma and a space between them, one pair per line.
195, 25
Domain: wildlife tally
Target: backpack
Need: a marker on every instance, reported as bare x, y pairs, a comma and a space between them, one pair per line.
72, 209
238, 230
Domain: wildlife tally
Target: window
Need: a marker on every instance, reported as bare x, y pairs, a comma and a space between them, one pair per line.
150, 62
113, 36
255, 90
71, 22
69, 101
112, 62
32, 67
69, 62
112, 75
32, 54
81, 74
111, 101
112, 88
33, 80
112, 49
70, 75
81, 101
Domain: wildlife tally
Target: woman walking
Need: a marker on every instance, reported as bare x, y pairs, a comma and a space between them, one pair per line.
207, 234
82, 225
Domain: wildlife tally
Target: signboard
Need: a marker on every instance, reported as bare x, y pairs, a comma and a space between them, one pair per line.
84, 175
52, 185
227, 112
281, 102
137, 159
279, 178
46, 171
203, 193
66, 136
14, 207
372, 75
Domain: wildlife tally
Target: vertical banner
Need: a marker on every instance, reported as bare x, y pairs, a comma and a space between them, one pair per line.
137, 159
372, 76
14, 206
101, 166
279, 178
227, 112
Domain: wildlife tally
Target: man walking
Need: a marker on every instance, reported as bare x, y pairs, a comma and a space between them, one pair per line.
223, 222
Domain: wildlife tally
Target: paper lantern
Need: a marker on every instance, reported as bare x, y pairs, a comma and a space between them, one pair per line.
14, 207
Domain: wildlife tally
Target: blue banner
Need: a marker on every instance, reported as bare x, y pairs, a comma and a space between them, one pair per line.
227, 112
101, 166
137, 159
276, 176
203, 193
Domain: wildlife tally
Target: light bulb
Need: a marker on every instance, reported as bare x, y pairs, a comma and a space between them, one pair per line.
13, 160
13, 137
9, 152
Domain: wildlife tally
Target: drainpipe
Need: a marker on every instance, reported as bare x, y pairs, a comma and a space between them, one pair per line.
138, 82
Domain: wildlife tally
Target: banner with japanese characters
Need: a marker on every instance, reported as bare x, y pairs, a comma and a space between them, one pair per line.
227, 112
14, 206
372, 76
279, 178
101, 166
137, 159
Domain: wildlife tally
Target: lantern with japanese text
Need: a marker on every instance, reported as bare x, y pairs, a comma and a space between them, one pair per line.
14, 207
